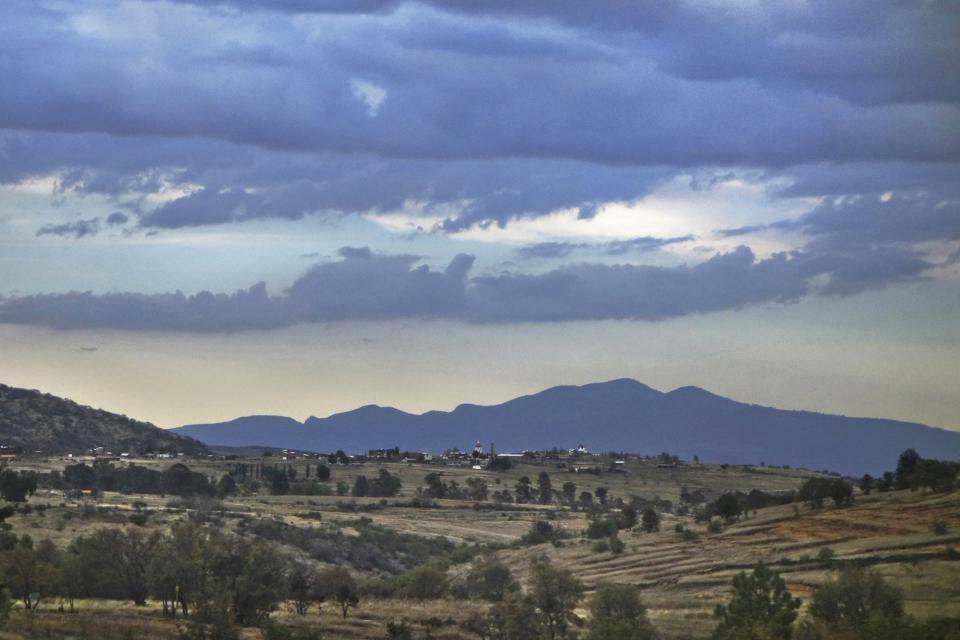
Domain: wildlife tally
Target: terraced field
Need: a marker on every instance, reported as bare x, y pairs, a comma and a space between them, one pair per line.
683, 581
682, 578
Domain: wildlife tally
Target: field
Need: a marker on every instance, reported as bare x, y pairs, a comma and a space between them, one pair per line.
682, 576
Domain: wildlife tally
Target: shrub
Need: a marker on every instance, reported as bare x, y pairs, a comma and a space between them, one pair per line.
690, 535
939, 527
602, 528
825, 555
715, 526
616, 545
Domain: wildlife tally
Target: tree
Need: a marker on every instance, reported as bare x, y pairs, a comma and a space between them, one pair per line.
6, 605
302, 587
524, 490
29, 573
255, 577
617, 614
586, 499
544, 488
857, 600
323, 472
226, 486
399, 631
569, 492
651, 520
905, 466
425, 582
601, 493
935, 475
515, 618
16, 487
179, 480
555, 593
116, 561
338, 585
760, 607
279, 480
490, 579
628, 517
728, 507
866, 484
361, 487
478, 489
80, 476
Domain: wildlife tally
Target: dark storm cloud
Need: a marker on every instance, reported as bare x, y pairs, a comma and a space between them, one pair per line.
491, 111
75, 229
371, 286
483, 113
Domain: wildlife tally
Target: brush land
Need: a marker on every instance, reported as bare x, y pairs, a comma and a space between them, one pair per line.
683, 569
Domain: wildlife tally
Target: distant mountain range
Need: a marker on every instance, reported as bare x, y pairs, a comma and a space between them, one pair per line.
620, 415
35, 421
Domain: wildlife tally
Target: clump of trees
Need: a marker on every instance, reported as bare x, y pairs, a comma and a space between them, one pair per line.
385, 485
915, 472
17, 487
178, 479
858, 604
546, 611
814, 491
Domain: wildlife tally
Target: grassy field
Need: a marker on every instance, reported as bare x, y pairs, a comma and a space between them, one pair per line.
682, 579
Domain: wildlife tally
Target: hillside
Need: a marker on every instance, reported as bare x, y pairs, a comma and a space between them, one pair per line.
617, 415
36, 421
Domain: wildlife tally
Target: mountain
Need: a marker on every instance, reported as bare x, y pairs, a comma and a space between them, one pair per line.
617, 415
37, 421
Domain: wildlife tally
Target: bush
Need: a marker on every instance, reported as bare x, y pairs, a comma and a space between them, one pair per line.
715, 526
600, 546
602, 528
825, 555
616, 545
139, 518
426, 582
690, 536
939, 527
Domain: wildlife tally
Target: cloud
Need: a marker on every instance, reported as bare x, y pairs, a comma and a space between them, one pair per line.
550, 249
77, 229
489, 111
117, 218
364, 285
609, 248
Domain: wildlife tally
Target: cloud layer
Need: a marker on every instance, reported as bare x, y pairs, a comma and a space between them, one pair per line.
363, 285
195, 115
487, 111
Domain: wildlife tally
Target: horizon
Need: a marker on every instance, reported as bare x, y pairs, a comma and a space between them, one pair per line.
216, 209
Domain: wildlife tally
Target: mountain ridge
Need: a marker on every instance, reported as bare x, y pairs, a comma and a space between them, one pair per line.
621, 414
34, 421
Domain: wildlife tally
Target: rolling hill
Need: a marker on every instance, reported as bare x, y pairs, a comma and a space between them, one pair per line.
35, 421
616, 415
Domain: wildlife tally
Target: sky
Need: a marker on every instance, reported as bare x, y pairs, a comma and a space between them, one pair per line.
219, 208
